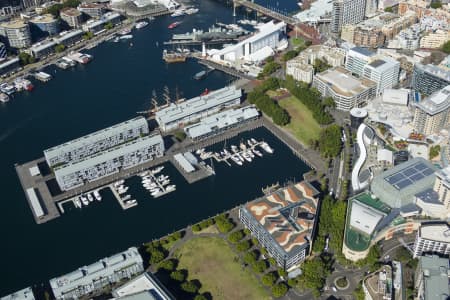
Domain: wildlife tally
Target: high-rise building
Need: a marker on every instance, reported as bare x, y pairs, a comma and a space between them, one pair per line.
384, 71
357, 58
432, 239
432, 113
10, 7
347, 12
46, 23
435, 39
17, 32
428, 79
71, 16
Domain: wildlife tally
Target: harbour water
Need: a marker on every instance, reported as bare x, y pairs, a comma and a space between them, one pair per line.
117, 84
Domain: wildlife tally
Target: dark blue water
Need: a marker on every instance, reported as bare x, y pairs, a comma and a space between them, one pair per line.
117, 84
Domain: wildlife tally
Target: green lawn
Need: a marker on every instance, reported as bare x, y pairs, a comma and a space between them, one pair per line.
297, 41
303, 125
215, 265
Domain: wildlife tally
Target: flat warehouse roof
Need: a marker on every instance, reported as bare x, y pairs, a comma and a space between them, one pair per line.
201, 103
37, 208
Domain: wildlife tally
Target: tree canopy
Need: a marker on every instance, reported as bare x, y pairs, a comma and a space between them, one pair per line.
25, 58
279, 290
330, 142
314, 274
446, 47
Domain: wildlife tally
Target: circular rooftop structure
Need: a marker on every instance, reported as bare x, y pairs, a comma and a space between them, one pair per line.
358, 112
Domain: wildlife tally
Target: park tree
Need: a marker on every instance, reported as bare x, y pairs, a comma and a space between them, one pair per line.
156, 256
330, 141
243, 246
168, 265
314, 274
236, 236
190, 286
178, 275
260, 266
269, 279
282, 272
200, 297
109, 26
250, 257
279, 290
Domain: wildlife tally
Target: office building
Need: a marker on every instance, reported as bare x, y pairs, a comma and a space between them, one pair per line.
432, 239
365, 215
71, 16
46, 24
431, 279
218, 123
96, 26
257, 47
407, 39
428, 79
434, 40
144, 284
384, 71
93, 278
346, 90
398, 186
432, 114
24, 294
284, 222
79, 149
363, 37
177, 115
357, 58
17, 32
347, 12
3, 52
93, 10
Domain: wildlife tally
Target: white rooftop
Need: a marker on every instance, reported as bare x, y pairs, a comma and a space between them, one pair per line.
395, 96
435, 232
144, 282
364, 218
24, 294
318, 9
436, 102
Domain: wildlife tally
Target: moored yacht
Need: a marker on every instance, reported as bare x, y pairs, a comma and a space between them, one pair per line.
97, 195
90, 198
266, 147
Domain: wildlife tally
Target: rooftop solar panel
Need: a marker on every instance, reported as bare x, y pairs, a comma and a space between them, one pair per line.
420, 166
402, 184
416, 177
395, 178
408, 172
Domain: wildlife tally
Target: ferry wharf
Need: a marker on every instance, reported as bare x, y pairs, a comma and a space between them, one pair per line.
44, 204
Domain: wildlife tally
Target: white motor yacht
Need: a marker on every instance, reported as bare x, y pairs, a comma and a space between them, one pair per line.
77, 203
97, 195
84, 200
126, 197
90, 198
266, 147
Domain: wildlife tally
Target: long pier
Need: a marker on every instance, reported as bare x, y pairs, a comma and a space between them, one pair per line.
225, 69
265, 11
49, 202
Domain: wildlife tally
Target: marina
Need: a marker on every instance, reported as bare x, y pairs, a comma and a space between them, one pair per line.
118, 84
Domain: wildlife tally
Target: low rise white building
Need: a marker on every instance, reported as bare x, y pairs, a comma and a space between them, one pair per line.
269, 37
432, 238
